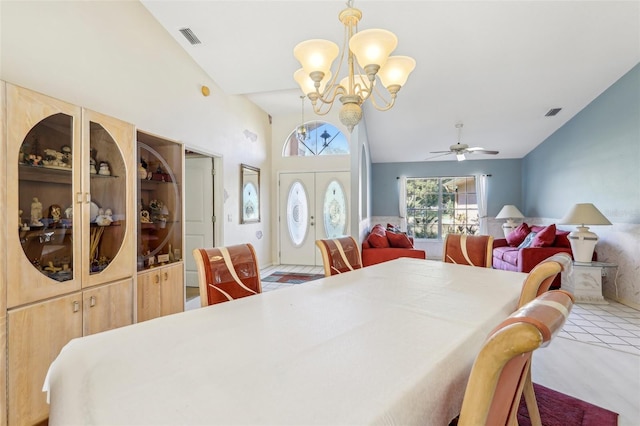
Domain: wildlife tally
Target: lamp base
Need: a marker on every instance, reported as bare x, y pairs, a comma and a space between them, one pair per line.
583, 243
508, 226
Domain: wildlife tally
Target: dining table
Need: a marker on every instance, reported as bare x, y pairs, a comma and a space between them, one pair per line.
391, 343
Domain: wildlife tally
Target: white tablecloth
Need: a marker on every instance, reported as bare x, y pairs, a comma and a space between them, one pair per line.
388, 344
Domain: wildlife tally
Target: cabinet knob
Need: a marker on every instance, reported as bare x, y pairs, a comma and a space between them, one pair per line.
92, 301
166, 276
76, 306
157, 279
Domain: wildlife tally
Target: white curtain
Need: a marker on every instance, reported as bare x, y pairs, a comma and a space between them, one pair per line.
481, 192
402, 202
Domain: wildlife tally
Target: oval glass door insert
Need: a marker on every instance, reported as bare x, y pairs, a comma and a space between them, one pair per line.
297, 213
334, 210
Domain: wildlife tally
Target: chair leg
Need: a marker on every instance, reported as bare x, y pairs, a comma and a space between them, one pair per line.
530, 400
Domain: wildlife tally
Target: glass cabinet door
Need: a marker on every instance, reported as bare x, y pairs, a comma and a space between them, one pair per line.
43, 151
108, 228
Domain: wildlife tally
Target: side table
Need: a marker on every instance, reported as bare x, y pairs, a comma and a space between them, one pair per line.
585, 281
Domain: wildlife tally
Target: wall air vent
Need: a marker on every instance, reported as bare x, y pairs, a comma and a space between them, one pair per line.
552, 112
190, 36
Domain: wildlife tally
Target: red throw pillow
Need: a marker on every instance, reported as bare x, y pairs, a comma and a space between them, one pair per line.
545, 238
399, 240
378, 237
517, 236
562, 239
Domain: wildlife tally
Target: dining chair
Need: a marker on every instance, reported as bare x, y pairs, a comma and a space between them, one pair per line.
496, 382
473, 250
227, 273
535, 284
339, 255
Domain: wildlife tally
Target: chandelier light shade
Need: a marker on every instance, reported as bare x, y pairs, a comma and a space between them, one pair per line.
367, 60
509, 212
583, 242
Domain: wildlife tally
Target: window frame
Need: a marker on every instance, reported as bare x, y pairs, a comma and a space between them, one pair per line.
471, 222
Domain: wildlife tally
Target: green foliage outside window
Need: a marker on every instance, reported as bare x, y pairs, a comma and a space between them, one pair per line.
440, 206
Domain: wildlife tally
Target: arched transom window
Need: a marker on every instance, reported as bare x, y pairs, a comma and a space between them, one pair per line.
316, 138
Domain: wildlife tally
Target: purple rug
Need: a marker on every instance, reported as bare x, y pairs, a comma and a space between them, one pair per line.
291, 277
558, 409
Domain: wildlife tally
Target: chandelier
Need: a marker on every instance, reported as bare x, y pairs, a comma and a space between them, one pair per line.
367, 54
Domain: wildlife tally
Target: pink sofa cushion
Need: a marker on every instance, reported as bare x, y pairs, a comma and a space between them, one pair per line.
545, 237
499, 252
517, 236
398, 240
378, 237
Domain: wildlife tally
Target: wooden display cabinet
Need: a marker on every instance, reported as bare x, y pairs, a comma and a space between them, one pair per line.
160, 285
65, 254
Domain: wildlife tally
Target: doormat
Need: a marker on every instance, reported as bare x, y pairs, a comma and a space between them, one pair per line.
291, 277
558, 409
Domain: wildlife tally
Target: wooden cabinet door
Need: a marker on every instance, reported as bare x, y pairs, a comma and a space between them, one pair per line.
172, 299
149, 295
36, 334
107, 307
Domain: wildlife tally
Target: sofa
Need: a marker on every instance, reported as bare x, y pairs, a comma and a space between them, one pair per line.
384, 244
526, 246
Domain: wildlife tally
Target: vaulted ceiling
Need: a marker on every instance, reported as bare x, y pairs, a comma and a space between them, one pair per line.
496, 66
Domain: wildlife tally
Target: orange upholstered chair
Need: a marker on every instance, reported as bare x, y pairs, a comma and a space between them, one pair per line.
339, 255
473, 250
497, 377
227, 273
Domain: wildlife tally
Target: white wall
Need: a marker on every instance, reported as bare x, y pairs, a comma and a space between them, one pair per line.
114, 58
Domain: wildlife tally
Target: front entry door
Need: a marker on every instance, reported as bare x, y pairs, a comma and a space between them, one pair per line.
313, 206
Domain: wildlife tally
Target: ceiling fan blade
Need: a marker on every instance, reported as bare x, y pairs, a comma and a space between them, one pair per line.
440, 154
482, 150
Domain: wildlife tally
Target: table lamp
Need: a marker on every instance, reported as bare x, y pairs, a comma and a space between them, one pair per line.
509, 212
583, 242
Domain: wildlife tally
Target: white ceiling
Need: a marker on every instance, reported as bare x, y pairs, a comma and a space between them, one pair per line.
496, 66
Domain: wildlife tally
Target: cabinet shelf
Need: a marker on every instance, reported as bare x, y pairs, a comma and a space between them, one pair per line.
53, 175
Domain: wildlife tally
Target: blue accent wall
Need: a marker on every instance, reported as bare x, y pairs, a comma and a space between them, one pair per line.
504, 186
593, 158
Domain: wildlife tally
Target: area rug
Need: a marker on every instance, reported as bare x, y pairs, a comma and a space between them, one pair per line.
558, 409
291, 277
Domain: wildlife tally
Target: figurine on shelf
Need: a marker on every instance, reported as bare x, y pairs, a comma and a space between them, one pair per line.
92, 166
104, 169
104, 217
36, 212
55, 213
144, 217
20, 217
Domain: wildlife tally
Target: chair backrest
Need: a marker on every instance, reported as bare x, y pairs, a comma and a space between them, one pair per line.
473, 250
542, 275
498, 374
227, 273
340, 255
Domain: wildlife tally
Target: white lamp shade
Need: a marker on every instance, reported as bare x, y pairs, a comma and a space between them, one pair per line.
306, 84
316, 55
584, 214
396, 70
509, 212
372, 46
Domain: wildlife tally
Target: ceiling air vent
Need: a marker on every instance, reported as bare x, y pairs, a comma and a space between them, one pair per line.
190, 36
552, 112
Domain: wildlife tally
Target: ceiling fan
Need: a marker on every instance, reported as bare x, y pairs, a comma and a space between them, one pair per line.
460, 149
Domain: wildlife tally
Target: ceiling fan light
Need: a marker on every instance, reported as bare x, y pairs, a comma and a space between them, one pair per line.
316, 55
396, 70
373, 47
306, 83
460, 156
